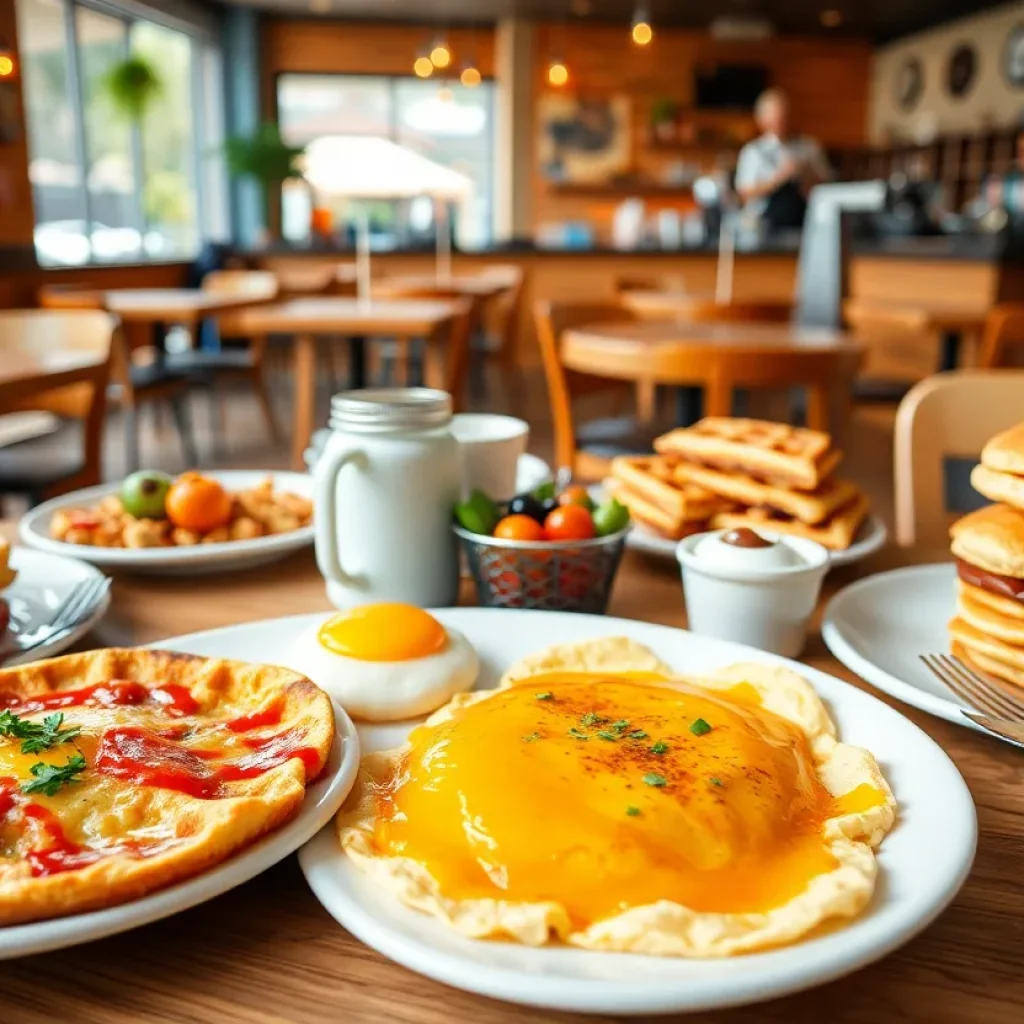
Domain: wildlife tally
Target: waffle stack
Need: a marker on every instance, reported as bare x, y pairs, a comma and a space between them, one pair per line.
723, 473
988, 546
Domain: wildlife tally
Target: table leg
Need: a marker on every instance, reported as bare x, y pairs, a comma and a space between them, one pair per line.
949, 357
305, 396
357, 362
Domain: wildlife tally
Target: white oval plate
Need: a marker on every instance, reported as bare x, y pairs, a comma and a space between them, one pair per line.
924, 861
42, 584
34, 530
323, 798
879, 627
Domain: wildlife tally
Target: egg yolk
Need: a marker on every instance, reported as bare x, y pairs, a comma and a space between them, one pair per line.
605, 793
383, 632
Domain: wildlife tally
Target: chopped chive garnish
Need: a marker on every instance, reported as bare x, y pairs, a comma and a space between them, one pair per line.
545, 696
632, 811
578, 734
621, 725
638, 734
661, 747
610, 736
654, 779
700, 727
715, 781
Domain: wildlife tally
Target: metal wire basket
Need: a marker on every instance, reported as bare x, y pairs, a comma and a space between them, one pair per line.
557, 576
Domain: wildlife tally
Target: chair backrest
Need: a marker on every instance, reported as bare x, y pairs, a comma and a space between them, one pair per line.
552, 319
501, 313
947, 415
41, 332
1004, 330
258, 284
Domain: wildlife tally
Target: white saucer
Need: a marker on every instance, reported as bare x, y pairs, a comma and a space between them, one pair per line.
878, 627
323, 798
34, 530
43, 583
923, 861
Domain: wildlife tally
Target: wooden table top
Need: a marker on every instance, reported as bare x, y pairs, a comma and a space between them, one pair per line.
336, 315
268, 952
671, 304
151, 305
933, 315
641, 336
476, 286
23, 371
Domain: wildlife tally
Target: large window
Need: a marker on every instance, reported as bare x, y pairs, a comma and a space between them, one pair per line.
446, 125
106, 188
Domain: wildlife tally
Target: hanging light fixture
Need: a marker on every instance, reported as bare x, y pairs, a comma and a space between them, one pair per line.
440, 55
642, 31
470, 76
558, 73
423, 66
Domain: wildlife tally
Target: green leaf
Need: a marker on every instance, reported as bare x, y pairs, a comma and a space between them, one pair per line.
578, 734
699, 727
37, 736
715, 781
606, 735
48, 778
654, 779
638, 734
132, 85
632, 811
264, 156
661, 747
592, 718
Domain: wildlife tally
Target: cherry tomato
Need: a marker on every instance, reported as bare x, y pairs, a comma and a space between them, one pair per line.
519, 527
576, 494
569, 522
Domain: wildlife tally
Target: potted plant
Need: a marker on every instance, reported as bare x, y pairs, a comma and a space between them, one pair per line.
265, 158
663, 120
132, 86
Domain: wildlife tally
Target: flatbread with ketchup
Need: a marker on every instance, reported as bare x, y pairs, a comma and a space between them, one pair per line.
124, 771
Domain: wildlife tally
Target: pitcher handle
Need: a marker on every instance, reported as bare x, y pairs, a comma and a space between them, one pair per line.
325, 520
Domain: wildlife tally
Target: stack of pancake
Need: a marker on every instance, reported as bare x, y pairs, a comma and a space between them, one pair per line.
722, 473
988, 545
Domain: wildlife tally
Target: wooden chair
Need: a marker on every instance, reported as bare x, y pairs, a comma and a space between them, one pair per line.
403, 357
137, 377
587, 450
947, 416
1003, 332
496, 343
44, 467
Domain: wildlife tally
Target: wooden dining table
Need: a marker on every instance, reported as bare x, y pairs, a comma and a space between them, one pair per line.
26, 371
354, 320
268, 952
679, 305
154, 306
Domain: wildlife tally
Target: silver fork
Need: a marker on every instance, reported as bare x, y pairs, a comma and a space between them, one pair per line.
1002, 712
74, 610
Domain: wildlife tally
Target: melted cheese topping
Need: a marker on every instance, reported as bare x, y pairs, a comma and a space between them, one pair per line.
597, 794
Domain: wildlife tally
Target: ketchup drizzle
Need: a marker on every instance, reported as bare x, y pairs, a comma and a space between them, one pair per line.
175, 699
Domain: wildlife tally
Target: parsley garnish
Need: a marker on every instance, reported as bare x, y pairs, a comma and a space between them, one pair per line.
530, 737
48, 778
654, 779
661, 747
621, 725
545, 696
715, 781
578, 734
638, 734
592, 718
632, 811
37, 736
699, 727
606, 735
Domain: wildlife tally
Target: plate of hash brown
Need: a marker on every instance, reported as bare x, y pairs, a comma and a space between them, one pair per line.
627, 818
233, 519
137, 783
724, 473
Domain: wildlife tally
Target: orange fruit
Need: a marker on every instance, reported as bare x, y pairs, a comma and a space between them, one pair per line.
195, 502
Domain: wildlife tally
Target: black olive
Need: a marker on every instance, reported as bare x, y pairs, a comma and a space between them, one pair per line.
526, 505
548, 505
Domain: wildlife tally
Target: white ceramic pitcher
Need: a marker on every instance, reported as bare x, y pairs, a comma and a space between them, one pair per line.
385, 488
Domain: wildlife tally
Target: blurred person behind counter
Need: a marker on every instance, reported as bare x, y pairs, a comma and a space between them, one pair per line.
777, 169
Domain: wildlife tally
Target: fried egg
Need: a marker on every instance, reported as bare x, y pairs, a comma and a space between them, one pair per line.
625, 811
386, 662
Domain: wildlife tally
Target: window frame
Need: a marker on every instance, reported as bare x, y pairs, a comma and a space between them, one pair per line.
204, 47
393, 125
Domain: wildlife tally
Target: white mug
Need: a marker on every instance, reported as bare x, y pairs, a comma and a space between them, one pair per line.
490, 447
385, 487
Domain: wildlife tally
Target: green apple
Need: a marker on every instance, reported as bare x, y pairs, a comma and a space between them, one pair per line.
143, 494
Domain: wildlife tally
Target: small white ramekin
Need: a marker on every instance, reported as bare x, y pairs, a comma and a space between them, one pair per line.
764, 608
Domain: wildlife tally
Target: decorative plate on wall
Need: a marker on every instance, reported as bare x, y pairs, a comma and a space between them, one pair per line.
1013, 58
909, 83
962, 70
